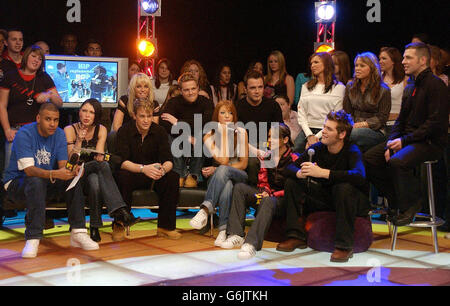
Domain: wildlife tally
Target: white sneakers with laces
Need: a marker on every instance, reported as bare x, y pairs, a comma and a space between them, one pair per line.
31, 248
200, 219
247, 251
221, 238
80, 239
232, 242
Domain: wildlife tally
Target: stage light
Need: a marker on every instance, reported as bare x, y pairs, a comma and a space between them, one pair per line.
150, 7
323, 47
325, 11
147, 47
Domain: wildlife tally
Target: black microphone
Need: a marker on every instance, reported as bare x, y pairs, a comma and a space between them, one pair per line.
73, 160
311, 153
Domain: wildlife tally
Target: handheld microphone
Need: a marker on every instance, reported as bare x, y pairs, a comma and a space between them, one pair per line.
73, 160
311, 153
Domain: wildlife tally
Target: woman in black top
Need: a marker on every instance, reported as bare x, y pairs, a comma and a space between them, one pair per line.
98, 183
22, 92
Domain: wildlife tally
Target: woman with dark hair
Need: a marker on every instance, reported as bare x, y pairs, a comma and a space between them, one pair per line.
254, 66
278, 81
161, 82
320, 95
368, 99
133, 68
22, 93
436, 64
267, 198
196, 69
393, 75
97, 180
342, 69
223, 87
228, 166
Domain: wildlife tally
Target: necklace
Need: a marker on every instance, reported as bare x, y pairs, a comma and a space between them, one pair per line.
30, 99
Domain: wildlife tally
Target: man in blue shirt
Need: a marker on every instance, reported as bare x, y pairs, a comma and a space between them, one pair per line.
37, 165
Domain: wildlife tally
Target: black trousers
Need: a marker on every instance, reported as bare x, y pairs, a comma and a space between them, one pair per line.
167, 189
345, 199
396, 178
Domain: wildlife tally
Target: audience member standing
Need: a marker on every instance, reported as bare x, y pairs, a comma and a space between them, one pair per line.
13, 54
22, 93
278, 81
368, 100
322, 94
69, 44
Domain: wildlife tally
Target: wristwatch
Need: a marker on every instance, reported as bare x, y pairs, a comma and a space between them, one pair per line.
141, 169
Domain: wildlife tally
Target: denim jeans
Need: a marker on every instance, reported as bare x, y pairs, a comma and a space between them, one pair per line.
101, 189
243, 197
220, 191
185, 165
366, 138
33, 191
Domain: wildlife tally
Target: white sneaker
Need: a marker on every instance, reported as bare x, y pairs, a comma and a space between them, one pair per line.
447, 236
200, 219
247, 251
232, 241
221, 238
31, 248
80, 239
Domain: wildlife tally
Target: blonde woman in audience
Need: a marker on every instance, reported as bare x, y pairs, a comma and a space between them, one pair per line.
140, 87
278, 81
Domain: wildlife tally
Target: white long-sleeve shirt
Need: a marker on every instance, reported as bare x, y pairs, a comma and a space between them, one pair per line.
314, 106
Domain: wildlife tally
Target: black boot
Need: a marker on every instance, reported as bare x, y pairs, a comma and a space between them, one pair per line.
124, 217
95, 234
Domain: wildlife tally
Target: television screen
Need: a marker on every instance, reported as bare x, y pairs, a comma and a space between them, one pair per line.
80, 78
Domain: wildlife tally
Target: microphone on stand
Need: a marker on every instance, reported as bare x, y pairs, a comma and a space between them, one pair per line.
311, 153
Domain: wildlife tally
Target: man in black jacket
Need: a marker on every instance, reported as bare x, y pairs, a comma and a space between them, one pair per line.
419, 134
332, 179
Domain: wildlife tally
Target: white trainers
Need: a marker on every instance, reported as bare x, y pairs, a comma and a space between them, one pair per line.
80, 239
232, 241
447, 236
200, 219
221, 238
247, 251
31, 248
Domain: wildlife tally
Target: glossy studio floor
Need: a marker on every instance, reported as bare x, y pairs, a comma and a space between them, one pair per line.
145, 259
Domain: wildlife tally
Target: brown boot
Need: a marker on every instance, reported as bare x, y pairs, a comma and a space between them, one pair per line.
118, 233
161, 232
340, 255
291, 244
191, 182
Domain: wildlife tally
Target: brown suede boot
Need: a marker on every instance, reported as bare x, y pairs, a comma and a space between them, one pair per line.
291, 244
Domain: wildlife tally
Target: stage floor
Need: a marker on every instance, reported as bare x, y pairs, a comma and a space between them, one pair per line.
145, 259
